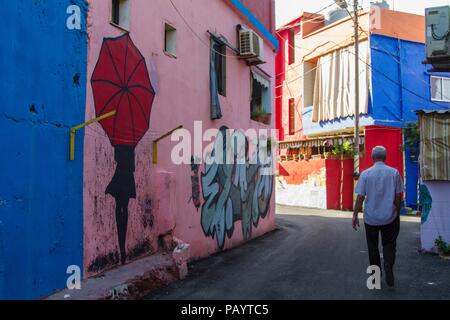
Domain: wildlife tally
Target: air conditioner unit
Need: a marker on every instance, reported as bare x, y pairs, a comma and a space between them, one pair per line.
438, 31
251, 46
438, 38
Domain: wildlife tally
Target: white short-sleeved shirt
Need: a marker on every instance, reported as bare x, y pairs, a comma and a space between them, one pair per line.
379, 184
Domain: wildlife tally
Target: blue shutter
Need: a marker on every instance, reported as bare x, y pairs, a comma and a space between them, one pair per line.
216, 112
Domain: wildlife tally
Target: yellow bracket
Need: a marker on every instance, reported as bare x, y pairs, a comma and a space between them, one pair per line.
155, 143
74, 130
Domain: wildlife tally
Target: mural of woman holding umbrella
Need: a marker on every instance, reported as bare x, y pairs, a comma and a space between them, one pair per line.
121, 83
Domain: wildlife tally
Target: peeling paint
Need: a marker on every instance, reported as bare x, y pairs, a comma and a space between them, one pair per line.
142, 248
104, 262
148, 215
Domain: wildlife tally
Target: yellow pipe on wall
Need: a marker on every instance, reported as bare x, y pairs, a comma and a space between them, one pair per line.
155, 143
74, 130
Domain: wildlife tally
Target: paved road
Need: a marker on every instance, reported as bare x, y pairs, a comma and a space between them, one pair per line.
313, 254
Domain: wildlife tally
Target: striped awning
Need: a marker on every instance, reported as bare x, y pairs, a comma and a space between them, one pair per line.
435, 145
318, 142
261, 79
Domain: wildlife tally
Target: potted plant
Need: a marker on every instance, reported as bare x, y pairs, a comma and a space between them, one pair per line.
443, 248
343, 150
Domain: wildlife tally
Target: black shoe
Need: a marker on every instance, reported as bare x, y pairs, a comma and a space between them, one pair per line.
390, 280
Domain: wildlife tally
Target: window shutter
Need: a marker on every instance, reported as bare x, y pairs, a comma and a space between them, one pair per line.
224, 70
292, 46
291, 116
216, 112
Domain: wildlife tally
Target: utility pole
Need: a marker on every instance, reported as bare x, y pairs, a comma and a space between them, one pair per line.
356, 148
343, 4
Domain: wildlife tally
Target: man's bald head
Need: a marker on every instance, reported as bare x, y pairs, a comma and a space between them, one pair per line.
379, 154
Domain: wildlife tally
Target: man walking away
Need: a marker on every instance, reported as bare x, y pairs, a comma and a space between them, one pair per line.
381, 187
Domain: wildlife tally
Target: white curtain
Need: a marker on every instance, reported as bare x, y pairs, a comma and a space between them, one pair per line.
334, 88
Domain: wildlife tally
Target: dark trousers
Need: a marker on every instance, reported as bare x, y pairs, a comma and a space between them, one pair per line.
389, 234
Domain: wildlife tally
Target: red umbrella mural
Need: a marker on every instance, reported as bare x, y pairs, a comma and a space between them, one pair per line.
121, 84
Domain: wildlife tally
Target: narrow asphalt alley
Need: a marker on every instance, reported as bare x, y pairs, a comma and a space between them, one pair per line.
313, 254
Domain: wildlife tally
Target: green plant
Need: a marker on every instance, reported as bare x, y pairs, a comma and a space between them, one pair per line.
412, 135
259, 113
442, 245
345, 148
261, 116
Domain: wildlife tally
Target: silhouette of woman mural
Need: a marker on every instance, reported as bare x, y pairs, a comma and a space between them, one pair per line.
123, 188
120, 82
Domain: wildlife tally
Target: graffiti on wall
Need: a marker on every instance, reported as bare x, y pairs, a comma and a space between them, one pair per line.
121, 84
195, 181
426, 202
234, 192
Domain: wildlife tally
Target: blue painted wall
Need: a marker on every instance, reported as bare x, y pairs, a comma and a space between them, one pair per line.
43, 86
412, 174
401, 85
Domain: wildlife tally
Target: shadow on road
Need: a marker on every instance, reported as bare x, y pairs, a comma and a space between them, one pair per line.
313, 254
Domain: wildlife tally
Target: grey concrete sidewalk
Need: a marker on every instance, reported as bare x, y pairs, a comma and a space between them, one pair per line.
314, 254
131, 281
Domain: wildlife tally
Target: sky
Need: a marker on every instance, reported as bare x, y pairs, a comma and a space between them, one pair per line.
287, 10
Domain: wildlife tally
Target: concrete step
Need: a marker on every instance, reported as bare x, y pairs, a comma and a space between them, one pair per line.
132, 281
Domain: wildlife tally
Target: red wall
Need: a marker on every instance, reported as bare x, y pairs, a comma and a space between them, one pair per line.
295, 172
280, 76
334, 169
388, 137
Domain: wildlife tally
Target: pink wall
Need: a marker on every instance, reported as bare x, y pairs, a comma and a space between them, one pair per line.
163, 202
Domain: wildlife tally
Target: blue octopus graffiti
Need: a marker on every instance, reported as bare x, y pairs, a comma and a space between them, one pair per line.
233, 192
